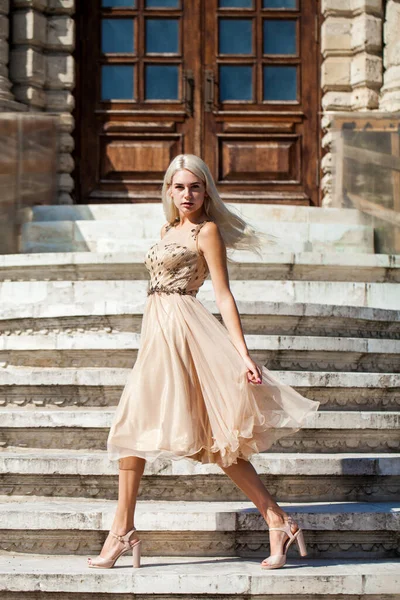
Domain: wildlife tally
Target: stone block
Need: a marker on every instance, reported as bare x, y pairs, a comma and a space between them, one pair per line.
39, 5
366, 70
61, 7
60, 72
59, 101
65, 163
364, 98
335, 35
27, 66
336, 100
66, 142
61, 34
4, 27
372, 7
32, 96
335, 73
336, 7
29, 27
4, 52
366, 33
65, 182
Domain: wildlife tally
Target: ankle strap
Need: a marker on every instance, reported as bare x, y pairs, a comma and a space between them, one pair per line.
125, 537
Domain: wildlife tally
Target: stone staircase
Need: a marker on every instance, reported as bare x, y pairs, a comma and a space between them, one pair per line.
320, 309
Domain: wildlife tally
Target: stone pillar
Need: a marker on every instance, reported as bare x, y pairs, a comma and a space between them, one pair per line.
390, 92
59, 85
7, 101
351, 71
43, 71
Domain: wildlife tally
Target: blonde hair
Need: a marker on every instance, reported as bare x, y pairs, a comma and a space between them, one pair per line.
235, 231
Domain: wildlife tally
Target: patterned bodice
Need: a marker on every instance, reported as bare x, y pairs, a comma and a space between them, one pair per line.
175, 263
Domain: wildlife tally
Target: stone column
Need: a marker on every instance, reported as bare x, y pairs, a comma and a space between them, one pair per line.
351, 71
7, 101
390, 92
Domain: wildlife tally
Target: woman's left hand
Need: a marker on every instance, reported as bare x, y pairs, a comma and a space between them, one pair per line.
254, 374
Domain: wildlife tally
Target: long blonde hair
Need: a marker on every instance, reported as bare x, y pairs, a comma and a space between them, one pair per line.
235, 231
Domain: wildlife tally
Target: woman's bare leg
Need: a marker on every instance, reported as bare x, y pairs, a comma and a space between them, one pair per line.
130, 474
244, 475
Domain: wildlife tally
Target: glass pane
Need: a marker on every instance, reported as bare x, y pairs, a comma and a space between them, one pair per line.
117, 35
279, 3
118, 3
162, 35
162, 3
117, 82
235, 83
161, 82
280, 83
235, 36
235, 4
279, 36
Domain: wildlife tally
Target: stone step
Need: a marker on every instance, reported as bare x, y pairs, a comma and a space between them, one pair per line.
15, 294
43, 386
148, 215
92, 228
310, 266
119, 349
258, 317
323, 432
99, 236
289, 477
225, 577
332, 530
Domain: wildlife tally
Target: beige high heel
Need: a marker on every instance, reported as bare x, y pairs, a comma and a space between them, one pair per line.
276, 561
108, 563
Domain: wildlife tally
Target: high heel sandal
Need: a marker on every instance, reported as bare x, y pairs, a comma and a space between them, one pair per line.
276, 561
108, 563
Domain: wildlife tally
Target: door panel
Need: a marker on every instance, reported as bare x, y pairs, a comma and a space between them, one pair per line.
234, 81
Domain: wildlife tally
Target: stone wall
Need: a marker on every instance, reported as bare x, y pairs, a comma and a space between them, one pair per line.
360, 67
42, 71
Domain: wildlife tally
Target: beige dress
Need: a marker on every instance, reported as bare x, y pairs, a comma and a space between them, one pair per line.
188, 395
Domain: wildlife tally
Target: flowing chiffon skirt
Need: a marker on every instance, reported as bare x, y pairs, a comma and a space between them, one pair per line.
188, 395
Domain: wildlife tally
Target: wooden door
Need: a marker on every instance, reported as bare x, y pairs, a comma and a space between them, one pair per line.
234, 81
261, 103
138, 63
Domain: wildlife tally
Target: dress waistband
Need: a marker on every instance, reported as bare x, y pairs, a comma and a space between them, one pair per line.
168, 290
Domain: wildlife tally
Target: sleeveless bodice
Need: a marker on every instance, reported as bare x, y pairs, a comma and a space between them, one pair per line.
175, 263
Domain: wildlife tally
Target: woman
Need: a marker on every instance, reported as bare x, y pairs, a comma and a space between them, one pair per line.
194, 391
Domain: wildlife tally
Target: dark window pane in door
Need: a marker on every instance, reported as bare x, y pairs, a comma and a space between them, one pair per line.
117, 35
235, 4
279, 36
117, 82
235, 82
118, 3
162, 35
161, 82
235, 36
280, 83
279, 3
162, 3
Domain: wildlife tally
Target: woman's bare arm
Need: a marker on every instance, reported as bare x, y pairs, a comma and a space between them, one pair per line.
212, 245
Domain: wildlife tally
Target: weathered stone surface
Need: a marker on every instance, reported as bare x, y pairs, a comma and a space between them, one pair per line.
186, 578
374, 295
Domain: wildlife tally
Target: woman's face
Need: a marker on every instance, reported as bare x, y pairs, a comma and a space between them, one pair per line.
188, 193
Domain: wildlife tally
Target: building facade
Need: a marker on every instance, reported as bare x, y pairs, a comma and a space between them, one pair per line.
249, 85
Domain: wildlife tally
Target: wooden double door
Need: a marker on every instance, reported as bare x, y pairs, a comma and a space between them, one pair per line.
233, 81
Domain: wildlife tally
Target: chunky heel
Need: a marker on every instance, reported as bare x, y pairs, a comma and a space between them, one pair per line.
136, 551
301, 544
